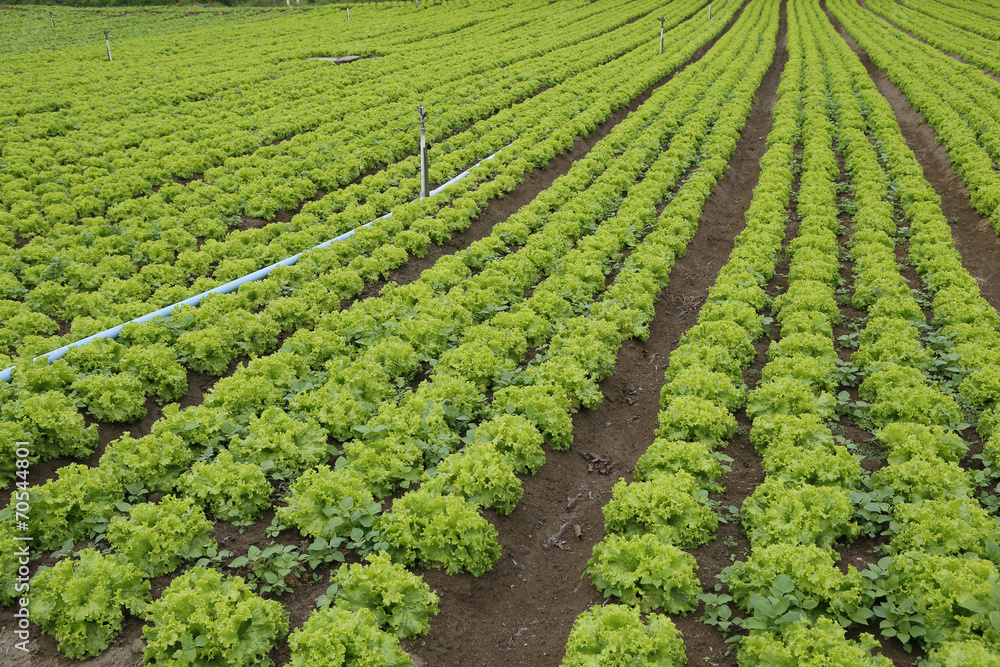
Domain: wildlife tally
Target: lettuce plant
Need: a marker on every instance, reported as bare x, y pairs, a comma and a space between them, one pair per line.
789, 396
908, 440
805, 644
385, 464
281, 445
816, 465
922, 405
401, 601
157, 536
645, 572
203, 618
9, 564
716, 357
12, 433
79, 601
480, 474
793, 513
155, 460
545, 406
696, 419
333, 636
723, 333
704, 383
113, 398
822, 589
924, 479
516, 438
778, 429
53, 425
77, 505
429, 530
943, 526
207, 350
203, 428
233, 491
954, 597
963, 652
673, 456
158, 370
616, 635
330, 503
673, 507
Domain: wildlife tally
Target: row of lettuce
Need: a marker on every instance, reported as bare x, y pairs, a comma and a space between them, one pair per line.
956, 99
975, 17
148, 252
940, 34
650, 521
93, 297
937, 589
349, 377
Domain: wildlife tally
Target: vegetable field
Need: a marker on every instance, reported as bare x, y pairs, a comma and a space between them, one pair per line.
690, 354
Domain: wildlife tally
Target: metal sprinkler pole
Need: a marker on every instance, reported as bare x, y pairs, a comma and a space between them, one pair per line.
423, 154
107, 42
53, 19
662, 21
348, 12
710, 11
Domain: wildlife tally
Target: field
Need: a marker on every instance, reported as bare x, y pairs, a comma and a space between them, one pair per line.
690, 355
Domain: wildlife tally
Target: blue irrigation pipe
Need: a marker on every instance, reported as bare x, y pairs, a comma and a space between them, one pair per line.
232, 285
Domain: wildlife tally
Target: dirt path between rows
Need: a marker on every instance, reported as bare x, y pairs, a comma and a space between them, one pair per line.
974, 237
521, 612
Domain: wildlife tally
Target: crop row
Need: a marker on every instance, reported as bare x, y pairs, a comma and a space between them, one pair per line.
957, 100
972, 17
940, 34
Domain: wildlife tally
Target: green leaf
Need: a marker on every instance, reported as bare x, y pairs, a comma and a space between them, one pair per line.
784, 583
